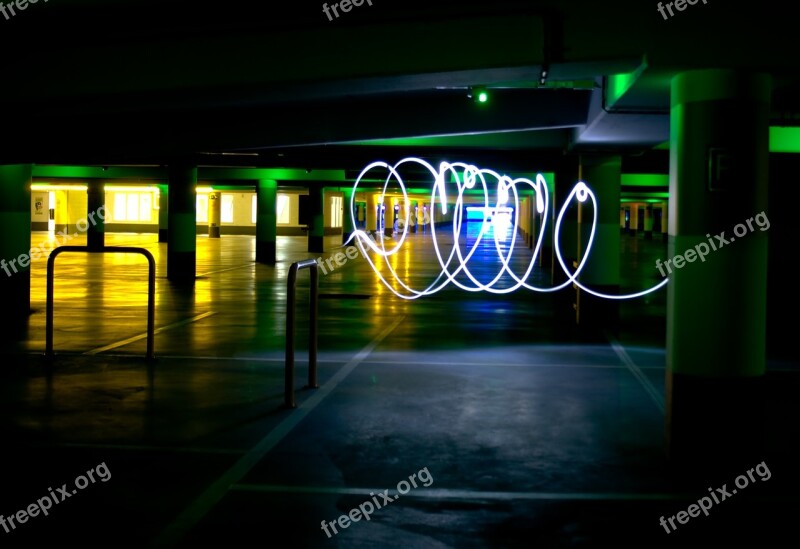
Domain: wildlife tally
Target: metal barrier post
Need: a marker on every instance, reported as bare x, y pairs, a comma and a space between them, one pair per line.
290, 328
151, 290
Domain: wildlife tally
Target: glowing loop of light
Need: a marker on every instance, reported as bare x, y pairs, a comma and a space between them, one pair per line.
467, 176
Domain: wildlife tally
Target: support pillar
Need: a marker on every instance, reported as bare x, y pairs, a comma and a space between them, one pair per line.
15, 246
214, 213
634, 225
716, 309
548, 219
522, 226
349, 222
316, 228
388, 228
372, 212
567, 176
601, 272
163, 213
532, 221
266, 221
648, 221
182, 246
96, 208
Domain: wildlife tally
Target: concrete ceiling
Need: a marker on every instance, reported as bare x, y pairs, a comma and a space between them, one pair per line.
119, 81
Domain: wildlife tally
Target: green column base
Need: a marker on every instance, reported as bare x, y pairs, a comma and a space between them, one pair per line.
16, 291
545, 260
346, 236
564, 300
181, 267
714, 424
95, 240
596, 316
315, 244
163, 235
266, 252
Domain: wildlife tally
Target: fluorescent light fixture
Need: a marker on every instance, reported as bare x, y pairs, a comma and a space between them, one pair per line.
49, 187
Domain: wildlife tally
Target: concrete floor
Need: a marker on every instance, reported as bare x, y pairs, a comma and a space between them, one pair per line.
520, 434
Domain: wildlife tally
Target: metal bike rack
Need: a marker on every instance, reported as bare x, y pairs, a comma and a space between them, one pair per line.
312, 331
151, 295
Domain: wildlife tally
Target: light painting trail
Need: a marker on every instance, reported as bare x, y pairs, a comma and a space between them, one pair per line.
467, 177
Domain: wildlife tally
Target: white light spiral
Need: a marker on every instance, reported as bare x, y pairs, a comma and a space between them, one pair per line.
466, 177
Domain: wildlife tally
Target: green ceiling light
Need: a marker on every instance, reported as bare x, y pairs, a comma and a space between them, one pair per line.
784, 139
479, 94
617, 85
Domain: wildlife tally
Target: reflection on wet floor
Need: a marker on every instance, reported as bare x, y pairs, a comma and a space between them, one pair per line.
532, 436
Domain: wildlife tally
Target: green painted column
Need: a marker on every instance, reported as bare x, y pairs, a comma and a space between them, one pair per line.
266, 221
15, 245
567, 175
389, 218
214, 213
548, 218
96, 207
716, 298
634, 219
372, 212
602, 174
348, 222
163, 213
316, 228
182, 246
534, 221
648, 221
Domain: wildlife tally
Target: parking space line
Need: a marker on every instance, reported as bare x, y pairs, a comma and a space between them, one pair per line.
144, 335
200, 507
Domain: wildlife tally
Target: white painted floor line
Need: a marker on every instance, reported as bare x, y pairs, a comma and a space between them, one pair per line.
471, 495
198, 509
411, 361
651, 391
144, 335
499, 364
